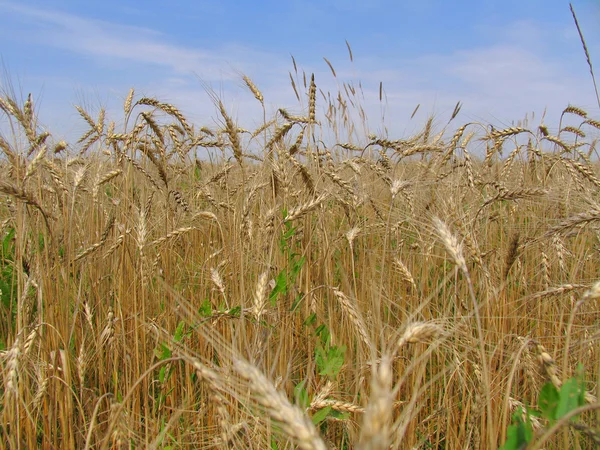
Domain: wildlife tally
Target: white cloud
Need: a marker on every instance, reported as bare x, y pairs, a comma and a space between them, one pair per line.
131, 44
502, 81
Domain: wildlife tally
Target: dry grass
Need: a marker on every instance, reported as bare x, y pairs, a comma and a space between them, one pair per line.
400, 292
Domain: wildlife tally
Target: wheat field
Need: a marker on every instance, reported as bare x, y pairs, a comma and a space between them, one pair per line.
170, 286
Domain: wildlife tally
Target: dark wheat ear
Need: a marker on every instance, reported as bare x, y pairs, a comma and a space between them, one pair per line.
585, 50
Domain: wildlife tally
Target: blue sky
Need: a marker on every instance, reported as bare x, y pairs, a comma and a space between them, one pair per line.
501, 59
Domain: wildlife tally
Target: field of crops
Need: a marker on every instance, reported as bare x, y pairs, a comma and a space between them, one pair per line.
300, 285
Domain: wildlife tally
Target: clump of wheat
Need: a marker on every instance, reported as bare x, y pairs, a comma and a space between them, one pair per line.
291, 420
142, 267
376, 423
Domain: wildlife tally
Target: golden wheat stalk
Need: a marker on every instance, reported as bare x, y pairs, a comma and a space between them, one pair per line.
98, 244
12, 367
586, 52
257, 94
259, 299
292, 421
336, 405
375, 431
301, 210
451, 243
355, 316
172, 235
420, 332
169, 109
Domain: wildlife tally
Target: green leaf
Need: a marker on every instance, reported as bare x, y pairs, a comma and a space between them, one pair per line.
7, 245
205, 309
548, 401
274, 445
310, 320
179, 332
301, 395
321, 415
236, 311
41, 242
163, 352
280, 287
289, 233
285, 236
570, 397
163, 374
296, 268
519, 434
339, 415
512, 439
296, 303
6, 290
580, 373
330, 361
323, 332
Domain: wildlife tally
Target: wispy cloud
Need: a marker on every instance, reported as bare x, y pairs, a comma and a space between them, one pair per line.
501, 81
129, 44
511, 72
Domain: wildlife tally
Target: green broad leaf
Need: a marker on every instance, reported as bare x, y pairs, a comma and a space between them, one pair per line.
163, 352
163, 374
301, 395
535, 413
289, 232
548, 401
296, 268
580, 373
41, 242
296, 303
339, 415
6, 289
205, 309
280, 287
512, 439
570, 397
7, 244
310, 320
330, 361
285, 236
519, 434
236, 311
323, 332
274, 445
321, 415
179, 332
